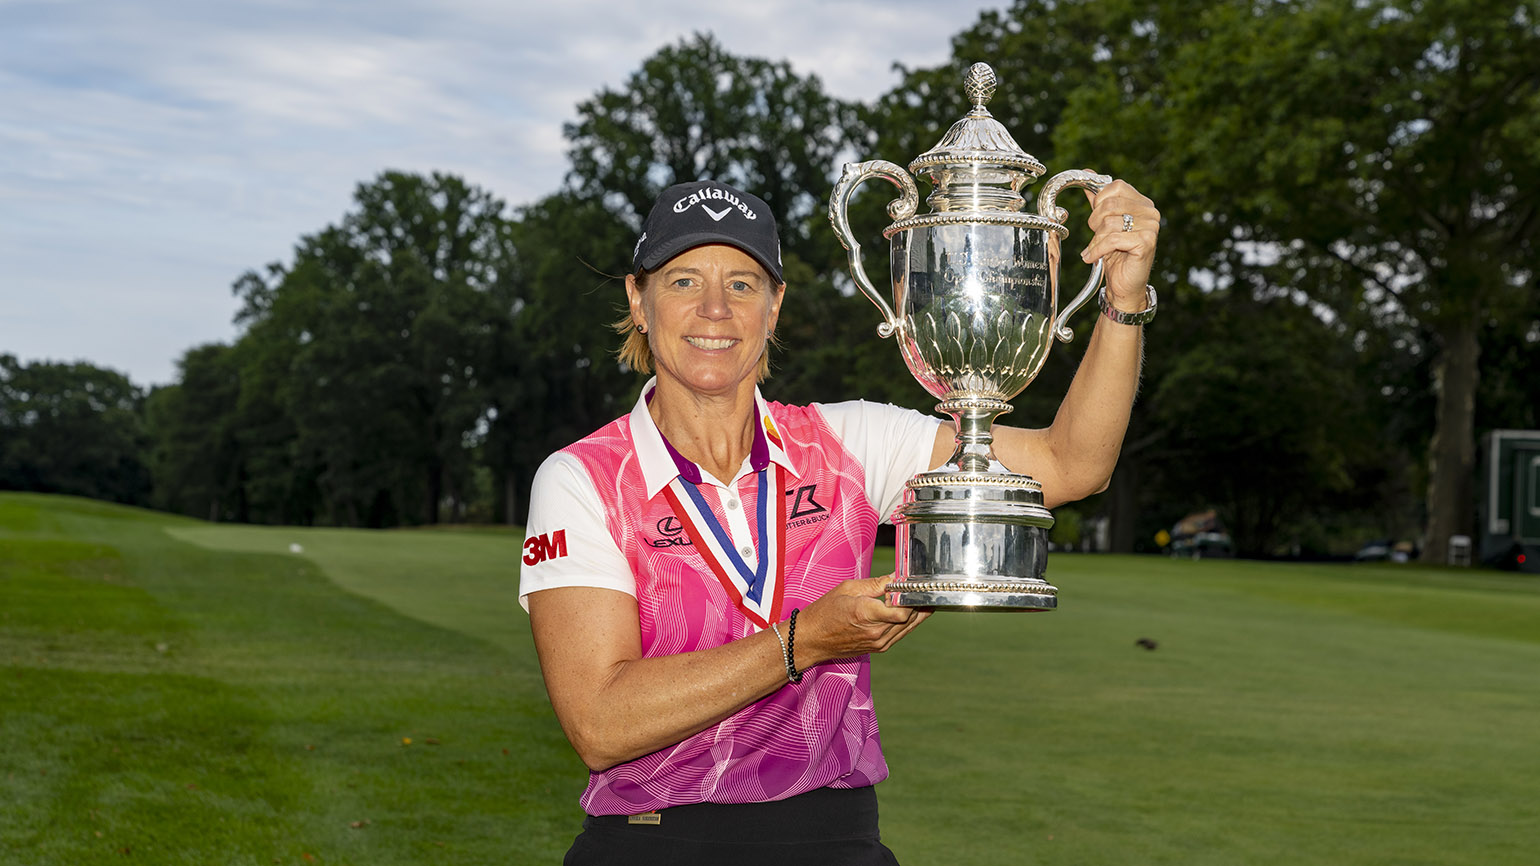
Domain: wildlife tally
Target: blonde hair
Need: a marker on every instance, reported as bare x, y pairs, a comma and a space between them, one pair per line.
636, 352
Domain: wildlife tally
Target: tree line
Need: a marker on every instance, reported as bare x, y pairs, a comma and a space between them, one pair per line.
1350, 190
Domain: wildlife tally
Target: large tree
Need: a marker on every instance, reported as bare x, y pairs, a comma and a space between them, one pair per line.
1374, 159
71, 428
381, 329
1276, 430
1388, 154
1044, 55
194, 424
694, 110
552, 375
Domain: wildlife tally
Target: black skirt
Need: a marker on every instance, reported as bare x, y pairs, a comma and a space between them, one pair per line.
826, 827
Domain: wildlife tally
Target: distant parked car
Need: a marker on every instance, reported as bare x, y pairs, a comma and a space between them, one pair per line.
1374, 551
1200, 534
1210, 544
1386, 550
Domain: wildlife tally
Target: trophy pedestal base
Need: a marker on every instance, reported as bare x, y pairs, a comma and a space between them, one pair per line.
941, 593
972, 541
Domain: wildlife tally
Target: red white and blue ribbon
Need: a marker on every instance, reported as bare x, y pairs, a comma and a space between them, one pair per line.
758, 590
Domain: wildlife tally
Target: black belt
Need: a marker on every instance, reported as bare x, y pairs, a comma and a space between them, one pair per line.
818, 815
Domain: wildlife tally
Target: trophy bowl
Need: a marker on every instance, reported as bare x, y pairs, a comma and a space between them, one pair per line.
975, 287
976, 304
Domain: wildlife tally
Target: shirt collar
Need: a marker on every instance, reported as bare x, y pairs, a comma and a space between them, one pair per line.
661, 463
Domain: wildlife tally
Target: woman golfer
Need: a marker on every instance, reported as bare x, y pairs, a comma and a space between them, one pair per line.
697, 572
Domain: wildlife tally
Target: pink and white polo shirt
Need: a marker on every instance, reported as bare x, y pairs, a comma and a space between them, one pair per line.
603, 514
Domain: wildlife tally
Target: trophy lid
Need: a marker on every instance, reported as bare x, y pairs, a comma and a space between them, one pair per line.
977, 165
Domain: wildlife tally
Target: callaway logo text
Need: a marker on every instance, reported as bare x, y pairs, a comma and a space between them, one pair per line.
714, 193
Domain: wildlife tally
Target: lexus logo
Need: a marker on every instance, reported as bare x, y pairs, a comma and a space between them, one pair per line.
673, 534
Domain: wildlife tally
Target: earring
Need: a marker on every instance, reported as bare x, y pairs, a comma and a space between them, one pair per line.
641, 330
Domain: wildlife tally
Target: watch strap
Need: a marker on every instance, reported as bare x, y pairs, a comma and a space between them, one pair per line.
1122, 318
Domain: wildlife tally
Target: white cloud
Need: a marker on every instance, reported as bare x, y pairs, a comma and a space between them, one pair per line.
321, 83
151, 152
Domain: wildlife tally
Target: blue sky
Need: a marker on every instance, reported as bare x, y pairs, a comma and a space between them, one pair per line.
151, 152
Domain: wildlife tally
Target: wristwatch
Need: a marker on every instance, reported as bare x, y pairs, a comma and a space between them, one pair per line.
1122, 318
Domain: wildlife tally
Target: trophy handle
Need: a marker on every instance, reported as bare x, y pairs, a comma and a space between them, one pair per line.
1085, 179
905, 205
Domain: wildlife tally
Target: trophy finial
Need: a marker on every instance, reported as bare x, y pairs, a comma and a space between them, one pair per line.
977, 166
979, 85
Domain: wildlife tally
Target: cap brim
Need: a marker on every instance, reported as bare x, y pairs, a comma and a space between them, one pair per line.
663, 252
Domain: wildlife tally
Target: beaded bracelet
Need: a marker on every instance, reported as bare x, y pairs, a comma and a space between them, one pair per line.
792, 673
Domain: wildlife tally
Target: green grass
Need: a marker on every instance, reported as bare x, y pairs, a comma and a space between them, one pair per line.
177, 692
165, 702
1291, 714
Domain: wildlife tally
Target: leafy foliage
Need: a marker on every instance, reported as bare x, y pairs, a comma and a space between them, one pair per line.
387, 322
1373, 156
71, 428
1269, 429
693, 111
553, 377
197, 459
1373, 161
1345, 275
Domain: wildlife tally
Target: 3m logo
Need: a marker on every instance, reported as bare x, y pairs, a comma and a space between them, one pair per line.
541, 547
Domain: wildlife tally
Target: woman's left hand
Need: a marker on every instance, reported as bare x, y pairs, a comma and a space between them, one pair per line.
1127, 254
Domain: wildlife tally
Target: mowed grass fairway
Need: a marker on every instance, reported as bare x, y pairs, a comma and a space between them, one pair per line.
178, 692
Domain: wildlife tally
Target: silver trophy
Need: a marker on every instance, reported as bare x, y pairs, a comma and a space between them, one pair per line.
975, 284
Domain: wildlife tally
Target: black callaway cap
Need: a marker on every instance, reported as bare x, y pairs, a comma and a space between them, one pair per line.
688, 215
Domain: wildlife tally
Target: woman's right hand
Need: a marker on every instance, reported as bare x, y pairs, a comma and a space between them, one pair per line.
852, 620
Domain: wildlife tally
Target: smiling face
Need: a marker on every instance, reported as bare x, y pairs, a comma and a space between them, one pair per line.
708, 313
